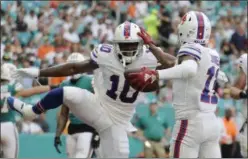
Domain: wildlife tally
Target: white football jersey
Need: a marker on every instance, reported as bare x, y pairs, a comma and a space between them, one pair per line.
243, 65
197, 93
243, 62
115, 94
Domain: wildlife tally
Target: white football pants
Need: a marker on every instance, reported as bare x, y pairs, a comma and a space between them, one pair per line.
196, 137
9, 140
79, 145
86, 107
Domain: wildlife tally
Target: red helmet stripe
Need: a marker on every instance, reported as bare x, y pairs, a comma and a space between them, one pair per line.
200, 21
127, 29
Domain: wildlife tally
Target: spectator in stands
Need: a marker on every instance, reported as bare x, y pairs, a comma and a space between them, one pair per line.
21, 25
229, 146
154, 129
238, 40
31, 20
45, 49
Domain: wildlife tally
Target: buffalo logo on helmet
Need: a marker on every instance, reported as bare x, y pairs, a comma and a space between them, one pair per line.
184, 19
127, 29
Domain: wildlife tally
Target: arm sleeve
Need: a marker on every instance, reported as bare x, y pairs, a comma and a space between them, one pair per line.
94, 54
191, 50
186, 69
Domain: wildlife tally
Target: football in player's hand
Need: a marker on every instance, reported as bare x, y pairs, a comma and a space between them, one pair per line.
139, 80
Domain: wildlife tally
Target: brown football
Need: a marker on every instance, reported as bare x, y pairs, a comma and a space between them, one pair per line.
149, 88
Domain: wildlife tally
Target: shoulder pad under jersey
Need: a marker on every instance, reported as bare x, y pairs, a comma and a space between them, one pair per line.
100, 51
190, 49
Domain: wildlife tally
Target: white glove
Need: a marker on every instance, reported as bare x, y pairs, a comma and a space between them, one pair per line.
25, 73
222, 78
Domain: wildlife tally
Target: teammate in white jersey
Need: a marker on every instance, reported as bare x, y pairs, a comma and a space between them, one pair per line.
110, 109
196, 131
240, 91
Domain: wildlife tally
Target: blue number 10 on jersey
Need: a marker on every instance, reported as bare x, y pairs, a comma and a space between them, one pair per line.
123, 96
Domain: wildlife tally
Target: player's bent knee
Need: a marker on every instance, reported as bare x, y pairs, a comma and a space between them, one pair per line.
73, 95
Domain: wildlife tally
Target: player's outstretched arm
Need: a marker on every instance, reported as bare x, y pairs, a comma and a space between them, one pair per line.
68, 69
56, 71
61, 123
186, 68
165, 59
62, 120
236, 89
33, 91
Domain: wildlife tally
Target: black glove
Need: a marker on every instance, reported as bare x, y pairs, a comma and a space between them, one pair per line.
57, 142
244, 94
95, 142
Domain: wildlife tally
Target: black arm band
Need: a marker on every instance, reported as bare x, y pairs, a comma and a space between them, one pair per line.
53, 87
243, 95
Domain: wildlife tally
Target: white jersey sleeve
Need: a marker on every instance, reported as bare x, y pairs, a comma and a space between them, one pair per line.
191, 50
100, 54
243, 62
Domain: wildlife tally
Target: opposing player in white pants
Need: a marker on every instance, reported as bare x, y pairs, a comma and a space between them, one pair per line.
110, 109
9, 134
196, 132
240, 91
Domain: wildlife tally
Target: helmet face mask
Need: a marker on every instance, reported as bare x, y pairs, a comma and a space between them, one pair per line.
194, 27
127, 44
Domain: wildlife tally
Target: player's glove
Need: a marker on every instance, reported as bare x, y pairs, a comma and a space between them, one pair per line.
243, 94
145, 36
143, 78
95, 142
25, 72
57, 142
222, 78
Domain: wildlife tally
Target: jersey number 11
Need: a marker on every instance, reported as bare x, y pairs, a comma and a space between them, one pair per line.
205, 97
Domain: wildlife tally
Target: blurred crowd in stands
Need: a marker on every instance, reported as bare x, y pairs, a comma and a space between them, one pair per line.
43, 33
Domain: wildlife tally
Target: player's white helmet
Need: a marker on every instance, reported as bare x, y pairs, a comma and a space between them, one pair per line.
127, 44
5, 72
194, 27
11, 66
76, 57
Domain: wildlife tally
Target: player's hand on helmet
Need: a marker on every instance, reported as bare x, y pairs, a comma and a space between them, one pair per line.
145, 36
25, 72
143, 78
57, 143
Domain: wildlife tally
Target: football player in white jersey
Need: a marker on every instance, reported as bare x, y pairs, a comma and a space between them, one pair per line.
110, 109
196, 131
240, 91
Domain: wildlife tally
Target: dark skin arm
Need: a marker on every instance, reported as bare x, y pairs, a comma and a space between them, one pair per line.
68, 69
165, 59
62, 120
238, 86
32, 91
